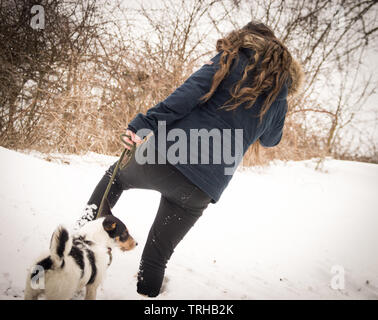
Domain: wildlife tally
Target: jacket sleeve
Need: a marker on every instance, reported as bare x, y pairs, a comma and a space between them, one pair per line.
273, 134
180, 102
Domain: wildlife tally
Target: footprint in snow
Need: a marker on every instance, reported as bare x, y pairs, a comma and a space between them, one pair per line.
163, 289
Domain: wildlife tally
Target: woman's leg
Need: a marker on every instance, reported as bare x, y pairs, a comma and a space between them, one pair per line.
135, 175
91, 209
179, 209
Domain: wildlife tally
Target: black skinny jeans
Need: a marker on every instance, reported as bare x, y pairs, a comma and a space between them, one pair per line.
181, 204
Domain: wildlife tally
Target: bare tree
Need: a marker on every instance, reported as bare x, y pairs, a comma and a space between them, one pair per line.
76, 84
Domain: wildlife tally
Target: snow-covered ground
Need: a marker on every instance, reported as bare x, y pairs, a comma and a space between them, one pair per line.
281, 232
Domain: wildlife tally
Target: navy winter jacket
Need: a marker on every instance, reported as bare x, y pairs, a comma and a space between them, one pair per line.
183, 110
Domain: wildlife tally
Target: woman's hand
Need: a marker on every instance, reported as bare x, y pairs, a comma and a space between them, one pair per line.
134, 139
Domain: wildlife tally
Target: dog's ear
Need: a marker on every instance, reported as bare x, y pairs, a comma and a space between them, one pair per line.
109, 224
106, 211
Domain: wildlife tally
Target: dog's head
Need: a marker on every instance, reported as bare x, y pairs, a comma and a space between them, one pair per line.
117, 230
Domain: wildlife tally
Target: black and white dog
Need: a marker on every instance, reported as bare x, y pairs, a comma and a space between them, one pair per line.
79, 260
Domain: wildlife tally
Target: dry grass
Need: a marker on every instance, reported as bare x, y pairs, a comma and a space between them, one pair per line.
77, 93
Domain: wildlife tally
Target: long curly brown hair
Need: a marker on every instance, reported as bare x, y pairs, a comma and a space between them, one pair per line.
267, 71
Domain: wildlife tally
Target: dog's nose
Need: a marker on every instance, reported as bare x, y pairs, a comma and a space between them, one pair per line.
136, 243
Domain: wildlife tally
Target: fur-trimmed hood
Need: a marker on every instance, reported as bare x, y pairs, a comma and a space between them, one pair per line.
297, 78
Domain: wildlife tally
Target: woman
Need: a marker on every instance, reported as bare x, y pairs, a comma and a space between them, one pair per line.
244, 87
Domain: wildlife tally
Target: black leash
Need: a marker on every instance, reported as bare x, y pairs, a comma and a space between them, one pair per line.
122, 163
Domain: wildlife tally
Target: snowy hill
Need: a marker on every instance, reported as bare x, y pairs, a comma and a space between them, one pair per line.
277, 233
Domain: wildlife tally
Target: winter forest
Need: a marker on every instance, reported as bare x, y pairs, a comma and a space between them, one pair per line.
73, 86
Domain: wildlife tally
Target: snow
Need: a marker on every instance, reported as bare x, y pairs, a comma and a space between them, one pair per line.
278, 232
